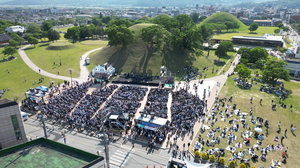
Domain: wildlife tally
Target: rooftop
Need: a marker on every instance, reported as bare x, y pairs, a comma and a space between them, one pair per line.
45, 153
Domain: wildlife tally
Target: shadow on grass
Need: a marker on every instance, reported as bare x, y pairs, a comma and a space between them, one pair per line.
118, 58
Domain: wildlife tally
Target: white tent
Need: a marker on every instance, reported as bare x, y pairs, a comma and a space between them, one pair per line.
190, 164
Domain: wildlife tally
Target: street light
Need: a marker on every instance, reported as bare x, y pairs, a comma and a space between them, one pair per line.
43, 118
71, 75
59, 59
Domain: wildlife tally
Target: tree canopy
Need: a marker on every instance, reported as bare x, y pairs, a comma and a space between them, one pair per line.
253, 27
73, 33
119, 35
9, 51
243, 71
53, 35
253, 55
274, 70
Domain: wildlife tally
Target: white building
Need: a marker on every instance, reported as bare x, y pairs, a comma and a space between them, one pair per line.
103, 72
15, 29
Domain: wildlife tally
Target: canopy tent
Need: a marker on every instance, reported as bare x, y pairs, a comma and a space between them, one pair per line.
42, 88
190, 164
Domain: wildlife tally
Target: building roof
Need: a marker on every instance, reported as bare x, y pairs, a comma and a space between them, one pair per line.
4, 37
46, 153
260, 38
262, 20
6, 103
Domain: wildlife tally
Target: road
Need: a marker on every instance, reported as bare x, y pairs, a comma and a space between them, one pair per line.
121, 154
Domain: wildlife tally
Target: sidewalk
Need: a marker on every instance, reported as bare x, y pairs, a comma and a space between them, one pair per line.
214, 92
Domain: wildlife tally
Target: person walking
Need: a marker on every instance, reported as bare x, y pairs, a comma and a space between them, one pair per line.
282, 138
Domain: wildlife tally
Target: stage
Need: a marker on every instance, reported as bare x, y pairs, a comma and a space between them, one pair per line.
145, 80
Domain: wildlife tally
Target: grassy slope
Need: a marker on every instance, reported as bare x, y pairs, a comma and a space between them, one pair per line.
138, 59
15, 80
223, 16
44, 58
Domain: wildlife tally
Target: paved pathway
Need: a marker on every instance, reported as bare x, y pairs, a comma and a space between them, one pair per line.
84, 73
214, 89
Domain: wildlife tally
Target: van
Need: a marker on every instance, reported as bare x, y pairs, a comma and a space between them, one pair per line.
87, 61
24, 116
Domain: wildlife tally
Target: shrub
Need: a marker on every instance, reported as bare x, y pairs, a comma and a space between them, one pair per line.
232, 164
222, 161
242, 165
204, 156
212, 158
197, 153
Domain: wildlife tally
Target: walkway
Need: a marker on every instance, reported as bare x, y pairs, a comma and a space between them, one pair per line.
84, 73
210, 84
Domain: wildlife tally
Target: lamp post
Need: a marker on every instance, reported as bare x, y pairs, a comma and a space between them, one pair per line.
71, 75
59, 59
43, 118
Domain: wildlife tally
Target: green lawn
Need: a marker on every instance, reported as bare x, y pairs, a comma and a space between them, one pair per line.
15, 80
241, 97
241, 32
44, 55
64, 29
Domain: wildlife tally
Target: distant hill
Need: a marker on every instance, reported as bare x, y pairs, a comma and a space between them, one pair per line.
223, 17
293, 4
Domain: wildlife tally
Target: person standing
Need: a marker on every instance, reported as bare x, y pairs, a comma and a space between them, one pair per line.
282, 138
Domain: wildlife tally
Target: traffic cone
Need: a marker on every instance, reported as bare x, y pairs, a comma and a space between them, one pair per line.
147, 166
154, 166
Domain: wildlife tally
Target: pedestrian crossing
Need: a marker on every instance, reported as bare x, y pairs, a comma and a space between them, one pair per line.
120, 157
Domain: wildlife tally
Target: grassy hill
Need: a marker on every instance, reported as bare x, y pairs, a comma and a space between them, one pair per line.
135, 58
138, 58
223, 17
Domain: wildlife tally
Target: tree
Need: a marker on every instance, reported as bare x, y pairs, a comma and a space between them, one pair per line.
106, 19
221, 51
282, 49
280, 25
96, 21
17, 38
100, 15
9, 51
73, 33
98, 31
33, 40
243, 72
47, 25
276, 31
274, 70
253, 27
13, 43
195, 17
53, 35
119, 35
257, 53
154, 35
33, 28
85, 31
229, 25
244, 52
228, 45
202, 18
119, 22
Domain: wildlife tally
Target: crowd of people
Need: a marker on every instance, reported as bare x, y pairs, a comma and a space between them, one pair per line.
186, 109
126, 99
157, 100
250, 129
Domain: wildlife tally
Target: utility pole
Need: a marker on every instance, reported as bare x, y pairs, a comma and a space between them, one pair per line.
43, 118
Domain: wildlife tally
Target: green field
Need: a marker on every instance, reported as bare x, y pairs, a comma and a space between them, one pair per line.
241, 97
259, 32
46, 54
15, 80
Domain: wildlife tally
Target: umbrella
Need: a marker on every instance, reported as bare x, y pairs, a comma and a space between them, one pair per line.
248, 139
258, 129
